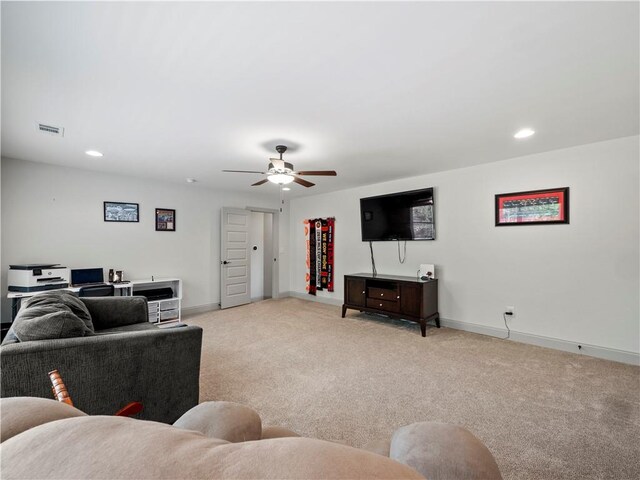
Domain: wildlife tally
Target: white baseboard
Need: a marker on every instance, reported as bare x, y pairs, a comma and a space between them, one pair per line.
606, 353
189, 311
313, 298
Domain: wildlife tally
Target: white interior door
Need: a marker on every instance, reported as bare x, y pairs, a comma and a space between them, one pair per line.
235, 260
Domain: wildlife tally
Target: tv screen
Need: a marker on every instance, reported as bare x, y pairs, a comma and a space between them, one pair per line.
398, 216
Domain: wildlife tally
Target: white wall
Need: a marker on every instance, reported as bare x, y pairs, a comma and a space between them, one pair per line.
576, 282
55, 214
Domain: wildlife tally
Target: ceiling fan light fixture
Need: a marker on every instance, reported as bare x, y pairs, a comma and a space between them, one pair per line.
280, 178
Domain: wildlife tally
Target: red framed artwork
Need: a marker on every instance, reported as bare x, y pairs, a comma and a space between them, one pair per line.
534, 207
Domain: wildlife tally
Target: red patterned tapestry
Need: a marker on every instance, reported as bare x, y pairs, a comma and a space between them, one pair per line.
319, 236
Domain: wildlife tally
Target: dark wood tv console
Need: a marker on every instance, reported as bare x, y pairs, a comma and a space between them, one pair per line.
392, 295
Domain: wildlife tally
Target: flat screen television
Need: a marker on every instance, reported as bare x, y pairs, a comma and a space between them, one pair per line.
398, 216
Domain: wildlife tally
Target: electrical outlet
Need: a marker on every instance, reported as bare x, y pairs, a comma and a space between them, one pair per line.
510, 310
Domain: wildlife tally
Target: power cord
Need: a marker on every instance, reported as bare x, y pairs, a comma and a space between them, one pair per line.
402, 258
373, 260
504, 316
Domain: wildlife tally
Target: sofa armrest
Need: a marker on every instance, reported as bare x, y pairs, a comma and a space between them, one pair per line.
160, 368
443, 451
111, 312
19, 414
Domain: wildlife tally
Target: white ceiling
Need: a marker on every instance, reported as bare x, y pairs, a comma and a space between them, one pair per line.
376, 91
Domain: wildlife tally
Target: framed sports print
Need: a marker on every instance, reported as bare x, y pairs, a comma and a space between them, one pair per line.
165, 220
533, 207
121, 212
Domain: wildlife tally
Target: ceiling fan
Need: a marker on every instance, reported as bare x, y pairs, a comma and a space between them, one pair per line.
282, 173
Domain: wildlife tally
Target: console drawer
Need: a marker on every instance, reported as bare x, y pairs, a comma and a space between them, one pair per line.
382, 294
169, 315
169, 305
385, 305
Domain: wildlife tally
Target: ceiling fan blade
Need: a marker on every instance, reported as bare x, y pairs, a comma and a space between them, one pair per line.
302, 182
242, 171
326, 173
259, 183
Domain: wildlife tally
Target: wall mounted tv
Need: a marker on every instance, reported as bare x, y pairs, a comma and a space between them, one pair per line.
398, 216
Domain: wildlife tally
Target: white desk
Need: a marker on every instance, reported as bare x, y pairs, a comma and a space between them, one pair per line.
126, 289
16, 297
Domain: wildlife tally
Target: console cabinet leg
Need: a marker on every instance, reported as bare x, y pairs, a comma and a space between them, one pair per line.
423, 327
344, 310
438, 320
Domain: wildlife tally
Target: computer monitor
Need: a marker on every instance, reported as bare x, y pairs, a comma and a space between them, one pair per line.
84, 276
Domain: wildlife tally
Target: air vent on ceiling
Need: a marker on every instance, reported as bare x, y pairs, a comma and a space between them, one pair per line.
51, 130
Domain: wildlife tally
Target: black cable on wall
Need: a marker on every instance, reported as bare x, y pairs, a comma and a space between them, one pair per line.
373, 260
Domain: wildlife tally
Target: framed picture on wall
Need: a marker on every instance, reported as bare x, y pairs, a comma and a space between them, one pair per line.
165, 220
121, 212
533, 207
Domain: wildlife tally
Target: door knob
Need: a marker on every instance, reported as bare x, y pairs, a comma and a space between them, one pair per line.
225, 262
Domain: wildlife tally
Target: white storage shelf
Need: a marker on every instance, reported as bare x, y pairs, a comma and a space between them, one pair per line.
165, 310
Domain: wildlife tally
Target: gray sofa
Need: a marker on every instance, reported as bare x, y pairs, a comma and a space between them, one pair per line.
125, 359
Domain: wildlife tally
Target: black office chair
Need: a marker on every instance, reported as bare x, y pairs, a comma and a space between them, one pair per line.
97, 291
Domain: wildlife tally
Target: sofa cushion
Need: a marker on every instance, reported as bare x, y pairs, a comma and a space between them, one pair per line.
111, 312
48, 322
227, 420
101, 447
19, 414
68, 299
49, 315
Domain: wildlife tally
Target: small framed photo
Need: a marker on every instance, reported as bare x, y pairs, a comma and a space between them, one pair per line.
533, 207
165, 220
121, 212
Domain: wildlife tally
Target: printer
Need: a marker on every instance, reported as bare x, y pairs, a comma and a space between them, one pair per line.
37, 277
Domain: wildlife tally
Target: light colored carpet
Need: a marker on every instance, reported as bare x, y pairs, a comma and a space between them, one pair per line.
543, 413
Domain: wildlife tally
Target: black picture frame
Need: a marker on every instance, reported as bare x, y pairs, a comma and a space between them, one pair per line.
124, 212
165, 220
532, 207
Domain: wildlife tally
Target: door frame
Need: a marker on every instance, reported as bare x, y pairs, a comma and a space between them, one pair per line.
275, 230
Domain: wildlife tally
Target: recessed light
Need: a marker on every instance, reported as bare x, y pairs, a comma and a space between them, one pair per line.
524, 133
93, 153
191, 180
286, 189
